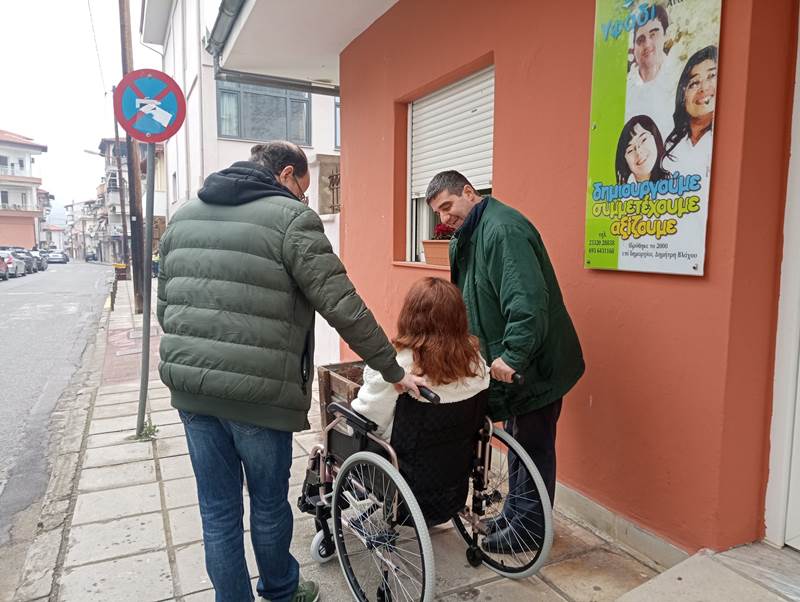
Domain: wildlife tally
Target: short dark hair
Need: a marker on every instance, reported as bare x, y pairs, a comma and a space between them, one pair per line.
277, 155
450, 180
661, 15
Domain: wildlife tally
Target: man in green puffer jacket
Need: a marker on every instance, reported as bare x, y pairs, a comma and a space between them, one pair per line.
516, 310
243, 269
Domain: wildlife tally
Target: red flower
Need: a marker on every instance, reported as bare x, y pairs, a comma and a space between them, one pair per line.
443, 232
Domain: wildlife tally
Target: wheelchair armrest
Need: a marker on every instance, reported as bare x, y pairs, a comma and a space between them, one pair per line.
360, 423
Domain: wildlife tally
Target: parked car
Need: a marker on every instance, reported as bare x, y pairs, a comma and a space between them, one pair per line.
91, 256
41, 261
15, 266
57, 257
30, 262
3, 269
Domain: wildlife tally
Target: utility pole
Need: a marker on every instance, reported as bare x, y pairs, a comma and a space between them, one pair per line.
140, 279
126, 255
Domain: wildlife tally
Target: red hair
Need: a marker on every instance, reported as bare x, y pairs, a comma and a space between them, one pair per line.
433, 325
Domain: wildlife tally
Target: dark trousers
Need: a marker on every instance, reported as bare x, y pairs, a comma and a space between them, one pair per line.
536, 433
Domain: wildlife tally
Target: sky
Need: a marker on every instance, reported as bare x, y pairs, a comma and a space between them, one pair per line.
54, 90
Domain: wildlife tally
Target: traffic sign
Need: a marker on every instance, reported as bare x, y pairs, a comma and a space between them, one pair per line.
149, 105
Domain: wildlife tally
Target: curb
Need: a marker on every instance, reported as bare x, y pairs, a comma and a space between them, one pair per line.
69, 425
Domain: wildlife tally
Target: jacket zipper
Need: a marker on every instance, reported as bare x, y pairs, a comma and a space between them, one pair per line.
304, 365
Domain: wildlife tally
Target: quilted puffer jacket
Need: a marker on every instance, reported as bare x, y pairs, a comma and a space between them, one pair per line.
243, 270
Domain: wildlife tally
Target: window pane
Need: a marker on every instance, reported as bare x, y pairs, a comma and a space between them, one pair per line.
296, 94
3, 160
338, 126
228, 114
264, 90
264, 117
298, 131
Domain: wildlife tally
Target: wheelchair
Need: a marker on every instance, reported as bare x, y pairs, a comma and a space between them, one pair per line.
444, 463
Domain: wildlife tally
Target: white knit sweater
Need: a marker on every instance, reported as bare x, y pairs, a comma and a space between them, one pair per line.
376, 398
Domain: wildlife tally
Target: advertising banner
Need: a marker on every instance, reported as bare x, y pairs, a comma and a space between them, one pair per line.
654, 90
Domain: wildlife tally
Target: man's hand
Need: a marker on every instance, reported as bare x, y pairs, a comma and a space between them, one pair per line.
502, 371
410, 384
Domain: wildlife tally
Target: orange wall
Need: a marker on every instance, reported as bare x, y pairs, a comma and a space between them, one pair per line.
669, 426
17, 230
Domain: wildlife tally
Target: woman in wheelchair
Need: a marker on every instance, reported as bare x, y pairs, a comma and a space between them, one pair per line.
433, 341
392, 467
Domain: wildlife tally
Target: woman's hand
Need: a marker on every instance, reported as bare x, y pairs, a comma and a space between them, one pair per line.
410, 384
502, 371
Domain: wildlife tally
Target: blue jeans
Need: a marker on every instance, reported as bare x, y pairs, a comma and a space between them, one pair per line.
222, 451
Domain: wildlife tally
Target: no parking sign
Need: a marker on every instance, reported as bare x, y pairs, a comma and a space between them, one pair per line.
149, 105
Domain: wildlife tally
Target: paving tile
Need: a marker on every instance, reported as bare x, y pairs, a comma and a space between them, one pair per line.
507, 590
596, 576
330, 579
117, 398
452, 568
106, 477
702, 578
170, 430
192, 574
308, 440
297, 472
298, 451
118, 454
111, 425
172, 446
165, 417
176, 467
160, 403
570, 539
302, 534
107, 439
143, 578
120, 537
114, 411
185, 525
180, 492
116, 503
119, 388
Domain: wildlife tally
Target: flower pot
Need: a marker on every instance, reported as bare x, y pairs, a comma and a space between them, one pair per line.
437, 252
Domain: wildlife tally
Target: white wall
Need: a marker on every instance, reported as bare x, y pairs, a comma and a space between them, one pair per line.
14, 155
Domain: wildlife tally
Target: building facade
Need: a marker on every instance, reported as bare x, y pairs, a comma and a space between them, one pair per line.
684, 432
21, 207
225, 119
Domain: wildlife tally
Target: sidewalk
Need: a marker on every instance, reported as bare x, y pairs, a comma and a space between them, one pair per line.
132, 526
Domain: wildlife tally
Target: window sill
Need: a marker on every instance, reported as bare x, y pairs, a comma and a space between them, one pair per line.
420, 266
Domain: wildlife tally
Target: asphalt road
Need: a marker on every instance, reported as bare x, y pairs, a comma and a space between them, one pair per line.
45, 323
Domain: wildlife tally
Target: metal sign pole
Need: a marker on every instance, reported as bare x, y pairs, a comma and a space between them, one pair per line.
147, 275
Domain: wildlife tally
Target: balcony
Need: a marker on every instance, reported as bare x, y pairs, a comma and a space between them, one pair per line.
13, 174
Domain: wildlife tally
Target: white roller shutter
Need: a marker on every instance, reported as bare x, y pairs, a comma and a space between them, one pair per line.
453, 128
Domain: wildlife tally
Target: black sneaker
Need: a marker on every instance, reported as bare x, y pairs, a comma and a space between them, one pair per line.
508, 540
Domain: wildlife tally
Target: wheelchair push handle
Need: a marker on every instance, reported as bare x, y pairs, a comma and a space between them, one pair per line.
517, 379
428, 394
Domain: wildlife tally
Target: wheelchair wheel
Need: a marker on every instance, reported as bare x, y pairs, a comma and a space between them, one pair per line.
382, 540
518, 547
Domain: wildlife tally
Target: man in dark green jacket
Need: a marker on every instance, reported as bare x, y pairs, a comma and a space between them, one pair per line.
515, 308
243, 269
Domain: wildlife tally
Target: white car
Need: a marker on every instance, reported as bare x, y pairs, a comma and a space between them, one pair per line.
57, 257
16, 266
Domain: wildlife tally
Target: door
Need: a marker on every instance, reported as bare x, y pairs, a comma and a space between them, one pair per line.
793, 506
